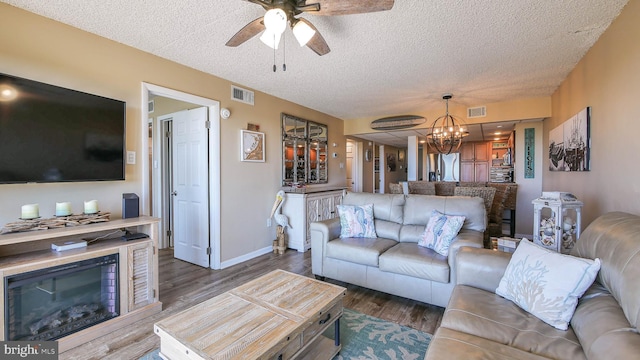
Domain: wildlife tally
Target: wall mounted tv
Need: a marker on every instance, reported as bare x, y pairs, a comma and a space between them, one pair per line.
52, 134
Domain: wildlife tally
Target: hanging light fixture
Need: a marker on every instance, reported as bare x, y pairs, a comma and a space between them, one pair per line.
275, 22
303, 31
447, 131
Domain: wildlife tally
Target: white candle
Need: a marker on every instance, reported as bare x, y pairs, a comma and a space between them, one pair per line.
91, 207
63, 208
30, 211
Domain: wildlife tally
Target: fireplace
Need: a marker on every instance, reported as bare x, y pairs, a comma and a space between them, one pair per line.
51, 303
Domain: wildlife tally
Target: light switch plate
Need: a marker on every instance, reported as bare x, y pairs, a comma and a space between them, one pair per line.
131, 157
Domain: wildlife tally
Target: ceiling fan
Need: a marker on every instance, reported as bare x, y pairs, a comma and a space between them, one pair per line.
281, 12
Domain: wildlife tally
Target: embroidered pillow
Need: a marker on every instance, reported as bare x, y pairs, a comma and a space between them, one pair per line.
440, 232
547, 284
356, 221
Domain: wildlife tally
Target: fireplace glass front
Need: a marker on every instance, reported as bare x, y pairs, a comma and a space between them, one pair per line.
50, 303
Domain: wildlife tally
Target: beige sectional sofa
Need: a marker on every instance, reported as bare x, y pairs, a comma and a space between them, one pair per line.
478, 324
393, 262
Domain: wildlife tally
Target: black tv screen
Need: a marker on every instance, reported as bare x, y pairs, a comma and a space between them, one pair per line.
52, 134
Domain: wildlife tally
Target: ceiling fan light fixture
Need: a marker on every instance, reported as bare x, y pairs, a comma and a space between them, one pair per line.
270, 39
303, 32
275, 20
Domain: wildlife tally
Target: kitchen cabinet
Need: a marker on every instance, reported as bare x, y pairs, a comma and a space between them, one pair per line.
474, 162
474, 151
474, 171
304, 207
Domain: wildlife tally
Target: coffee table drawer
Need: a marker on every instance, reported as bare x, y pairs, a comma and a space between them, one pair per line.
321, 322
290, 349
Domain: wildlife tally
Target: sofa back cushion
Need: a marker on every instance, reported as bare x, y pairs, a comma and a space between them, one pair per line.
418, 208
388, 211
613, 238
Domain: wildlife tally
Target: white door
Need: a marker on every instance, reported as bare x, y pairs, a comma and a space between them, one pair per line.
190, 186
350, 168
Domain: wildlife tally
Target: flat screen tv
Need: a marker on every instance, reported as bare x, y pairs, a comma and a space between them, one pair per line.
52, 134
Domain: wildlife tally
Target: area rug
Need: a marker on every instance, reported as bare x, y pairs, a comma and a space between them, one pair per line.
367, 337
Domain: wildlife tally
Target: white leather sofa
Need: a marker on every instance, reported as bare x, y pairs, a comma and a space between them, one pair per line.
393, 262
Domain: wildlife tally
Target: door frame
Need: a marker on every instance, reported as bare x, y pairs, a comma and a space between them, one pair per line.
214, 162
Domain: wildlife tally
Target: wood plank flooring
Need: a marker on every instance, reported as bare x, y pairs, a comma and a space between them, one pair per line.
183, 285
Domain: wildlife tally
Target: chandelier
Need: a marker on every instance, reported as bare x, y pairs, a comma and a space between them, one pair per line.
447, 131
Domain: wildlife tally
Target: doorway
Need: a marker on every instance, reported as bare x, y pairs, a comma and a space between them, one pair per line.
354, 165
153, 180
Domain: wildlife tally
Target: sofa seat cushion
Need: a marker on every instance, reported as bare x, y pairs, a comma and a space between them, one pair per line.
363, 251
485, 314
413, 260
453, 345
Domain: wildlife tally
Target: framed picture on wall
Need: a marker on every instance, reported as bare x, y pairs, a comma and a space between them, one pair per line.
570, 143
252, 146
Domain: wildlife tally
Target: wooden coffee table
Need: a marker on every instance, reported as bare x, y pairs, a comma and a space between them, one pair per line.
277, 316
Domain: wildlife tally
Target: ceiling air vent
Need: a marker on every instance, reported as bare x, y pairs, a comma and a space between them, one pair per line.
476, 112
241, 95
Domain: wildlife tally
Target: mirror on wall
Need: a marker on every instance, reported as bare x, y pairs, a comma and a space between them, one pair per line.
304, 151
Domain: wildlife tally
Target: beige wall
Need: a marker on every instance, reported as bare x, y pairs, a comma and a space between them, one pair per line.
607, 79
44, 50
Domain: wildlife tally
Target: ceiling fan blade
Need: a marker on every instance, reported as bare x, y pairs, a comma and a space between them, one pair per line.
317, 42
346, 7
247, 32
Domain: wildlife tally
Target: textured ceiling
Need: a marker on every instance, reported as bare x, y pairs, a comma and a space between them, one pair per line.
381, 64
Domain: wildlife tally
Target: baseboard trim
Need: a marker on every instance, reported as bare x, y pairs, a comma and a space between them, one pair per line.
245, 257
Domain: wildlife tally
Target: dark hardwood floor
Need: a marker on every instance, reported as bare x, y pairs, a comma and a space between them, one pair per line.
183, 285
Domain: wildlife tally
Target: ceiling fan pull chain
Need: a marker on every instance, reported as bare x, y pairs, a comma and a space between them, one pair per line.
274, 54
284, 51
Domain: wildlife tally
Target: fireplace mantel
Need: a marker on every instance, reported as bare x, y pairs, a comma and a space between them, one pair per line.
24, 252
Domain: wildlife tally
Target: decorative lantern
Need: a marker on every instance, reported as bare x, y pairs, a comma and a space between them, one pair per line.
556, 220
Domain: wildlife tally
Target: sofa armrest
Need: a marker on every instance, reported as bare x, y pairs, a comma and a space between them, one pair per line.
468, 238
321, 233
481, 268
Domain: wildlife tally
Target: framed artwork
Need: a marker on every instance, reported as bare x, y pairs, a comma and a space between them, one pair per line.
391, 161
252, 146
529, 153
570, 144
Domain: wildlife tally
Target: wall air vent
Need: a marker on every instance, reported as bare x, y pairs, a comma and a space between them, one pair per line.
476, 112
241, 95
152, 106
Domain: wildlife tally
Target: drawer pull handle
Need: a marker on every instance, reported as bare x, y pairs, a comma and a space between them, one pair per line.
324, 321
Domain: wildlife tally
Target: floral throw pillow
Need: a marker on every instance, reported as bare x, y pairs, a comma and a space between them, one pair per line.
356, 221
440, 232
547, 284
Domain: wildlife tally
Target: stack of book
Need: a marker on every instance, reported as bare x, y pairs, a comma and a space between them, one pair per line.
508, 244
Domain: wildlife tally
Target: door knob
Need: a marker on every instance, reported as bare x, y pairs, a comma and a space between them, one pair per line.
174, 193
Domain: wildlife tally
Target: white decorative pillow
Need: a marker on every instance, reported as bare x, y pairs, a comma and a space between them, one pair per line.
440, 232
356, 221
545, 283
